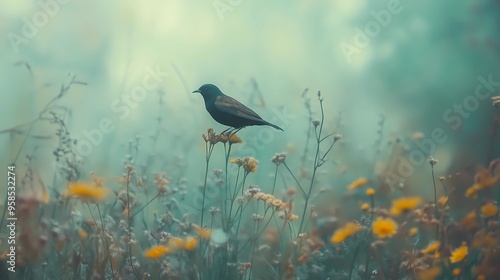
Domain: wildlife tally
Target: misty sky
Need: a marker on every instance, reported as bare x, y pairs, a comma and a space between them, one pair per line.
406, 60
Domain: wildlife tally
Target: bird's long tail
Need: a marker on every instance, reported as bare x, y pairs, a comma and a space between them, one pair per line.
275, 126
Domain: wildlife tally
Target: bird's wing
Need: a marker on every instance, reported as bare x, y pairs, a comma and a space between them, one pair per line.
232, 106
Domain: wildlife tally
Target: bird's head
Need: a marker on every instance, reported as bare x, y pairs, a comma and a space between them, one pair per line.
208, 90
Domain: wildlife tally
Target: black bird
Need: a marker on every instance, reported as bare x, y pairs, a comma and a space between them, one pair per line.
228, 111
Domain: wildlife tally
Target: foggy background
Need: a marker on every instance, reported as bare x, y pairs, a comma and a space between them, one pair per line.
416, 63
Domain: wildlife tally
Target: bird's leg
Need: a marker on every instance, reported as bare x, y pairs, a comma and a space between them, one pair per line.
236, 130
229, 128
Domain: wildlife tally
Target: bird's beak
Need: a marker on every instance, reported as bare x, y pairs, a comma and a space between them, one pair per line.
197, 91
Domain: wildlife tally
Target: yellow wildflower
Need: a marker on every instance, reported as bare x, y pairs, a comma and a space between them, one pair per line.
404, 204
434, 246
443, 200
85, 191
365, 206
83, 234
370, 192
430, 274
412, 231
460, 253
485, 179
358, 183
45, 195
484, 240
157, 252
469, 221
456, 271
384, 228
202, 232
176, 243
190, 243
472, 191
489, 210
342, 233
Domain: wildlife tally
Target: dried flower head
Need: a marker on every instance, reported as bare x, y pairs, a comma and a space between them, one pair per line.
211, 137
230, 137
279, 158
237, 161
253, 190
337, 137
496, 101
234, 139
217, 172
162, 182
214, 210
250, 164
257, 217
432, 161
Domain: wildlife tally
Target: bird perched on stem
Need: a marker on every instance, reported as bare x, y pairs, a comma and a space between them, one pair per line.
229, 111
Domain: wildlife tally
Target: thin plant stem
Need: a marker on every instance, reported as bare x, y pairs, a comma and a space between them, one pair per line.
367, 261
275, 177
435, 198
129, 222
296, 181
208, 153
145, 205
